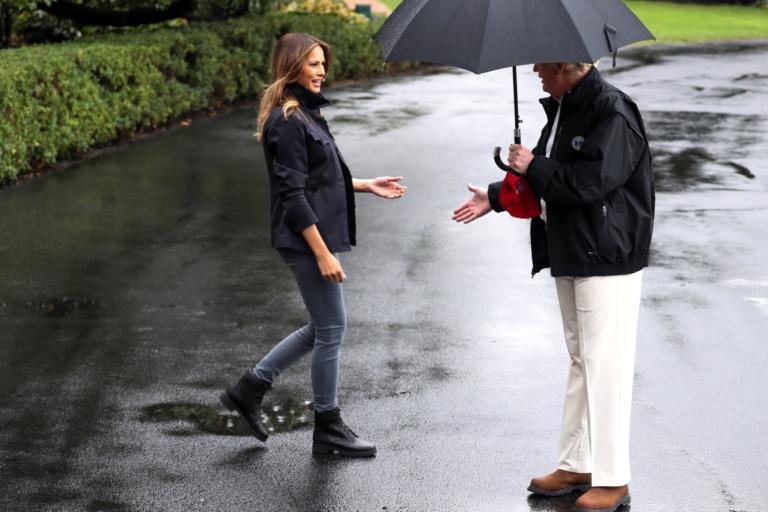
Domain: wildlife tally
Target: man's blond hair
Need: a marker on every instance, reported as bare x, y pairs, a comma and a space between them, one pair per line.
578, 67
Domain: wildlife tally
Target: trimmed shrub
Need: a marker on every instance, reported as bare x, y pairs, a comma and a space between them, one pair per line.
354, 52
57, 101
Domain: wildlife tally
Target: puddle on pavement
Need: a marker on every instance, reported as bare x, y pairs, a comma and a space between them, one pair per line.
208, 419
692, 167
740, 169
377, 121
718, 133
439, 373
751, 76
692, 126
349, 119
682, 170
634, 61
66, 305
353, 98
722, 93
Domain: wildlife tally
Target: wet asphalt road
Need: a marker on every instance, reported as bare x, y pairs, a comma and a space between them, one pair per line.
138, 284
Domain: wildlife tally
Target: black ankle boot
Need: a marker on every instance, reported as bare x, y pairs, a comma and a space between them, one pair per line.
333, 436
245, 397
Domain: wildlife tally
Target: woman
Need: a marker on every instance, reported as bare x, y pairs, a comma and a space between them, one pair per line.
312, 219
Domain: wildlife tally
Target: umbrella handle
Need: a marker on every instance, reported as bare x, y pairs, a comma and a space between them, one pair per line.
504, 167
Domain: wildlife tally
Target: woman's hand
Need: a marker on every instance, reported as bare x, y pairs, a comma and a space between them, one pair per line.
477, 205
384, 186
327, 263
330, 268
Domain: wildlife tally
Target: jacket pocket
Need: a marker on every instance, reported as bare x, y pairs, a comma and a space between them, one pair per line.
601, 225
320, 156
614, 242
319, 135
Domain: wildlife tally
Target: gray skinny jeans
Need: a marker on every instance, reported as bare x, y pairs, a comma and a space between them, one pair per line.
322, 336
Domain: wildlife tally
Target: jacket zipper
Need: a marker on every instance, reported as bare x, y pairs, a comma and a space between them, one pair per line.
605, 228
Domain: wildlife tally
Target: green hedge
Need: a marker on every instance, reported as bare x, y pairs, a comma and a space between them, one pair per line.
57, 101
354, 52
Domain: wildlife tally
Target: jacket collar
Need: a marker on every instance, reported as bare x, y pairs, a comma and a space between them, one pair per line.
587, 88
307, 98
583, 92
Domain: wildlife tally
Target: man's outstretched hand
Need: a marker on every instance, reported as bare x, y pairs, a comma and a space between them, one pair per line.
477, 205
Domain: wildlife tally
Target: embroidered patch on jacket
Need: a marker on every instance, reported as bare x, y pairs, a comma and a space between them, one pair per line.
577, 143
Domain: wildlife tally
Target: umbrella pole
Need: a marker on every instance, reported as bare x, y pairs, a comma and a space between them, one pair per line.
518, 139
518, 136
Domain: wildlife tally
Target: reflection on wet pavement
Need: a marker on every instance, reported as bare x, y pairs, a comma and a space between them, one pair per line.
681, 162
683, 170
197, 419
751, 77
57, 308
377, 121
716, 93
363, 109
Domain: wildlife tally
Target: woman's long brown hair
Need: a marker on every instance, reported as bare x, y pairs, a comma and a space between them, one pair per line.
288, 59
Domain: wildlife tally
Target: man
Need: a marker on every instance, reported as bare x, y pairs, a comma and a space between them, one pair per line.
592, 171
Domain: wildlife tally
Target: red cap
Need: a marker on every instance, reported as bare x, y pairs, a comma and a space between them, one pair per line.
517, 197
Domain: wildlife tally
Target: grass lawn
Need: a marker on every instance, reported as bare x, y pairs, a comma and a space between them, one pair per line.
676, 23
391, 3
680, 23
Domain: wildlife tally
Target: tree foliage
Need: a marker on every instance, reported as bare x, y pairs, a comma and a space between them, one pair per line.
9, 11
110, 13
53, 20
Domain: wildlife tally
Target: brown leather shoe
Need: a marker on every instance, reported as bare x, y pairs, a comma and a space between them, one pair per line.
603, 499
560, 482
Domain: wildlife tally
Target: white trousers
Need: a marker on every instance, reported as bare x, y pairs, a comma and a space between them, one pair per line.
600, 325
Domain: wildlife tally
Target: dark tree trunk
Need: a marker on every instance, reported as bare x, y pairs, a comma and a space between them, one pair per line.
6, 26
128, 18
229, 9
242, 10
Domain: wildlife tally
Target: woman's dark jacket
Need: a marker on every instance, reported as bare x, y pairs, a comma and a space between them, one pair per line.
597, 185
309, 181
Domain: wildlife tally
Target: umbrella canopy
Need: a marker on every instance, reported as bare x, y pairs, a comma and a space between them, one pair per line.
484, 35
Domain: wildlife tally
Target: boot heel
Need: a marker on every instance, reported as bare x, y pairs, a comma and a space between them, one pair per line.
226, 401
322, 449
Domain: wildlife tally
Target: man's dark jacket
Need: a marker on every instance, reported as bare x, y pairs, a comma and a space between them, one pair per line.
309, 181
597, 185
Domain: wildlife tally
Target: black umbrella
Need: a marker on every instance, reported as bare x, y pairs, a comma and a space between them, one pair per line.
484, 35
